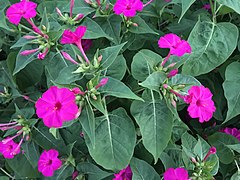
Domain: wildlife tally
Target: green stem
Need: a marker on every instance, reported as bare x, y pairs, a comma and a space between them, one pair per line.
5, 172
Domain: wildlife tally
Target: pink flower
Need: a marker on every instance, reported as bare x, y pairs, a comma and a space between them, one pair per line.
75, 37
207, 6
127, 7
124, 174
176, 174
177, 46
25, 9
42, 55
201, 103
8, 148
49, 162
232, 131
56, 106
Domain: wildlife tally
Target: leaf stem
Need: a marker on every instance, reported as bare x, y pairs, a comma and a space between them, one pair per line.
5, 172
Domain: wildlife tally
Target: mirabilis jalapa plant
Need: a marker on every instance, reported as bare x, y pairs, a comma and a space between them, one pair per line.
120, 89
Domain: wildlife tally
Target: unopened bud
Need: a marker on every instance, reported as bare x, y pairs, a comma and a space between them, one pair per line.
68, 57
172, 73
29, 37
100, 58
102, 83
28, 52
78, 17
59, 12
88, 1
135, 24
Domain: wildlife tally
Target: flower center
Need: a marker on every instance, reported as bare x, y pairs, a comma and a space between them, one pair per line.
49, 162
10, 147
58, 106
129, 6
199, 103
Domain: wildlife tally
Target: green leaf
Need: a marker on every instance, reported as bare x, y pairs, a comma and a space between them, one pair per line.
23, 61
233, 4
235, 147
79, 7
220, 141
3, 23
63, 173
231, 87
66, 75
210, 47
92, 171
116, 88
22, 167
43, 138
201, 149
98, 104
87, 121
117, 69
112, 26
21, 42
109, 55
154, 81
115, 140
31, 151
94, 31
142, 27
143, 64
236, 176
155, 121
181, 79
143, 171
185, 6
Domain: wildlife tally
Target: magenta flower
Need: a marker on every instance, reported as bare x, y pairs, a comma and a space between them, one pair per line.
75, 37
232, 131
201, 103
127, 7
56, 106
176, 174
177, 46
49, 162
9, 148
207, 7
124, 174
25, 9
